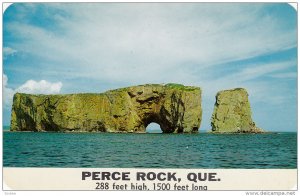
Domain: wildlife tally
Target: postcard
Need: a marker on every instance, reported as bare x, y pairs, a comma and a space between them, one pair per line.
150, 97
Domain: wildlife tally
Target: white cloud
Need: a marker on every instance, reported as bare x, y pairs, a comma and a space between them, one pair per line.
8, 93
41, 87
138, 42
30, 87
7, 51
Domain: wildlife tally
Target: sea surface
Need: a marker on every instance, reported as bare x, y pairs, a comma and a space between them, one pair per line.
114, 150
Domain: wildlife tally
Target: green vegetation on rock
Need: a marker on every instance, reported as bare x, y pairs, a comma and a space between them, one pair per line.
232, 113
181, 87
176, 108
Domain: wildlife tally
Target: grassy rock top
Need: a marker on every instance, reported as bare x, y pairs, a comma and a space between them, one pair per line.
169, 86
232, 92
125, 89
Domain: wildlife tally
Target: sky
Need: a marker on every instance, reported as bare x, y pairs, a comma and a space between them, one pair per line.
54, 48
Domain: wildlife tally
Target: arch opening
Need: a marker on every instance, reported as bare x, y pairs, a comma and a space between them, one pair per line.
153, 128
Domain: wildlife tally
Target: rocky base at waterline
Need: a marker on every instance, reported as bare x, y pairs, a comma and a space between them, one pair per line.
257, 130
176, 108
232, 113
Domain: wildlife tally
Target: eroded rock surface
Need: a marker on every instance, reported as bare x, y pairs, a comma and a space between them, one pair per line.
176, 108
232, 113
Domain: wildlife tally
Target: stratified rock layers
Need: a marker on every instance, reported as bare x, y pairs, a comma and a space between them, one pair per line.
232, 113
176, 108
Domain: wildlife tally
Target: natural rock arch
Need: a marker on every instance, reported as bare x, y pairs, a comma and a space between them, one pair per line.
176, 108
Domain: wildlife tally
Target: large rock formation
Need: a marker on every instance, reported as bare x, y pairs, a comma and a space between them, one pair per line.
176, 108
232, 113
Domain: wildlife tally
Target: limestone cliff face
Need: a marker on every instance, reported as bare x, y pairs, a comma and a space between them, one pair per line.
232, 113
176, 108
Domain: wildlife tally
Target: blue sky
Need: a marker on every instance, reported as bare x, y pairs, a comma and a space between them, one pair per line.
93, 47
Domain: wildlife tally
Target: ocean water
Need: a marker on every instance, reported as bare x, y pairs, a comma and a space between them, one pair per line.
113, 150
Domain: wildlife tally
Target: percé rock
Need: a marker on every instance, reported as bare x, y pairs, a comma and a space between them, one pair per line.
176, 108
232, 113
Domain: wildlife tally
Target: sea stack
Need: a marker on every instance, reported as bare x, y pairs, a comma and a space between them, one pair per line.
232, 113
176, 108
